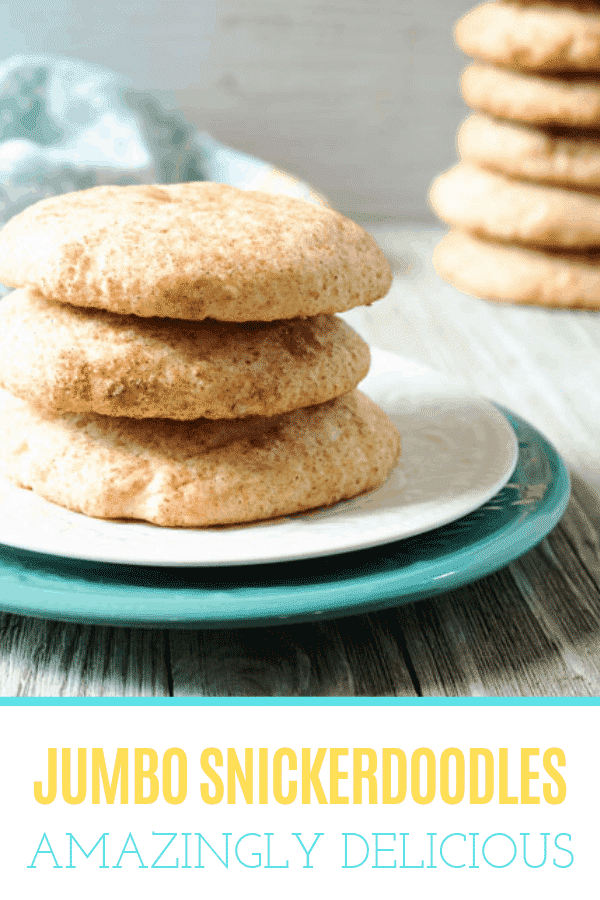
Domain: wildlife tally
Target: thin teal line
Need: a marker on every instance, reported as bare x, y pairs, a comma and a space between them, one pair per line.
300, 701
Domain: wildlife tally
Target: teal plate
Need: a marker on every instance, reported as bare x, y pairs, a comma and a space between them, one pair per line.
515, 520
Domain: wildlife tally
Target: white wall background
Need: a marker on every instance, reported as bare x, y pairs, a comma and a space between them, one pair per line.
360, 97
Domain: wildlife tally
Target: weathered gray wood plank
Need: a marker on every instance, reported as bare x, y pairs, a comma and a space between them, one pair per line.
39, 658
348, 657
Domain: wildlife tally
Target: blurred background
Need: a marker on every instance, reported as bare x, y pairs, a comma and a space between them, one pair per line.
358, 97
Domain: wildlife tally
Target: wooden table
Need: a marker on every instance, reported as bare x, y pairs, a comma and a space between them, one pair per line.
531, 629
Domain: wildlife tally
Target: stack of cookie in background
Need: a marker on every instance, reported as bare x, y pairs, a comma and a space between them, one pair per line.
524, 202
171, 354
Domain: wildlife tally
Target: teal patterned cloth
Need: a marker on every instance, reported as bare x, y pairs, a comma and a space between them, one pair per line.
67, 125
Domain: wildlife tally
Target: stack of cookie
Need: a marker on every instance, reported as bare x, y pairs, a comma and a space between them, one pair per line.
171, 354
524, 204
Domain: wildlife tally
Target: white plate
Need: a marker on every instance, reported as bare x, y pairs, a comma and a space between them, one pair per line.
458, 451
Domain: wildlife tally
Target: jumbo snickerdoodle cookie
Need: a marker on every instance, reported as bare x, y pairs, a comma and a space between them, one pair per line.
538, 100
530, 153
192, 251
513, 274
203, 472
493, 205
69, 359
534, 37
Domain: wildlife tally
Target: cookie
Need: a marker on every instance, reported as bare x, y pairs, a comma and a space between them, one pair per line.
530, 153
192, 251
518, 274
495, 206
203, 472
68, 359
535, 37
535, 99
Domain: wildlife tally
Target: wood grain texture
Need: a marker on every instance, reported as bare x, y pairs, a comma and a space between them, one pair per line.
350, 657
39, 658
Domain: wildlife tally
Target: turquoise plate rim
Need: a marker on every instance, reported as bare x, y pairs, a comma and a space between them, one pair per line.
352, 583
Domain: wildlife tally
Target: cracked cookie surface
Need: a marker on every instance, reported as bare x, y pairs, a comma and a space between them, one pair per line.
192, 251
70, 359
